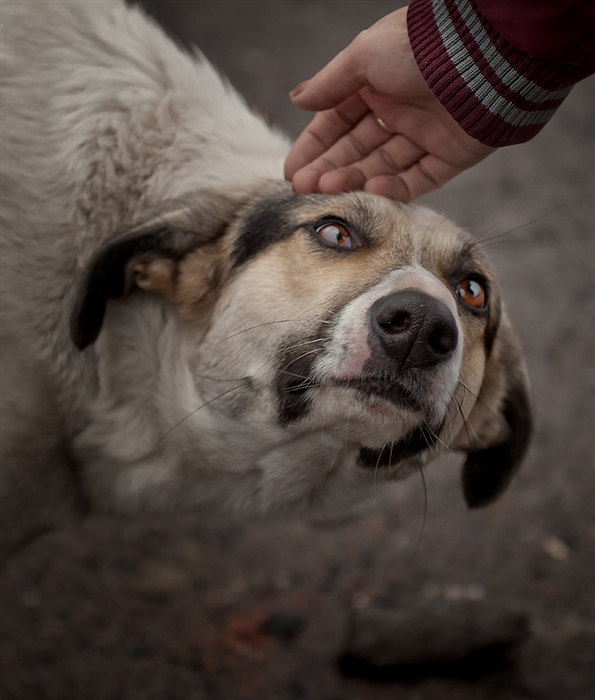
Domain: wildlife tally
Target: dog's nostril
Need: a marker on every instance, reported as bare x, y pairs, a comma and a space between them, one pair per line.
397, 323
443, 339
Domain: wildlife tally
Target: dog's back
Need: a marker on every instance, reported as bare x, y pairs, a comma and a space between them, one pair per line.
103, 119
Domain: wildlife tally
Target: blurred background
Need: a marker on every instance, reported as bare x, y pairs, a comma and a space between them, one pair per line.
175, 608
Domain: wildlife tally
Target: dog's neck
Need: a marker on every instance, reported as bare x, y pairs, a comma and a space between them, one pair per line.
144, 390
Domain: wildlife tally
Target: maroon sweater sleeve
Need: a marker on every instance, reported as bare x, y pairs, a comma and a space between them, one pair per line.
502, 67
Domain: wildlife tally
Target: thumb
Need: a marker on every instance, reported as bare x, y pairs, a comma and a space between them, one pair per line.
337, 81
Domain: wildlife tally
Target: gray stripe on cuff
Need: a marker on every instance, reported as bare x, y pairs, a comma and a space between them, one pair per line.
479, 85
507, 74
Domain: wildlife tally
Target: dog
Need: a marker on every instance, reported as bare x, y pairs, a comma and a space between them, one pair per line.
181, 330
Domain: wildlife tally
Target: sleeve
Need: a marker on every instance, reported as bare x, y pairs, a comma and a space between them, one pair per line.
503, 71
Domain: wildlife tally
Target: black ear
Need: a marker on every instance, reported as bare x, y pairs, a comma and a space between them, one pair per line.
487, 472
203, 219
108, 275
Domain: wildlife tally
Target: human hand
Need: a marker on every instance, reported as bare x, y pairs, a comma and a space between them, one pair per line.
382, 129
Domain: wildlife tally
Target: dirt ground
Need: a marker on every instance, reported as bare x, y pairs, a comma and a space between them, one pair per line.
190, 608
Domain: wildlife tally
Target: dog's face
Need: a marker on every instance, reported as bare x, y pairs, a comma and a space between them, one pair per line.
330, 342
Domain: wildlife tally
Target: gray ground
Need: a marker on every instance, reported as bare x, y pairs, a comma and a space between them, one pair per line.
166, 610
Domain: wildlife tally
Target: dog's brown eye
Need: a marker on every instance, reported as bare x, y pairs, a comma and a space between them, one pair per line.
335, 234
472, 293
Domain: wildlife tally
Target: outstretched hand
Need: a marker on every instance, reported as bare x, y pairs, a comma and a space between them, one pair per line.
379, 127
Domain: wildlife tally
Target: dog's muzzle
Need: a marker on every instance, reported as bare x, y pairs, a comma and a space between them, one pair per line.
412, 329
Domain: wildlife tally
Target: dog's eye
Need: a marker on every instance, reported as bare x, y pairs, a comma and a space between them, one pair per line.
472, 293
335, 234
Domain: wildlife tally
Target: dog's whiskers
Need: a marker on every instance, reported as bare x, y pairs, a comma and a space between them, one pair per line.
216, 379
269, 323
465, 421
301, 357
433, 437
437, 438
272, 359
260, 325
347, 426
294, 374
303, 343
478, 398
307, 383
378, 463
344, 443
192, 413
480, 244
424, 519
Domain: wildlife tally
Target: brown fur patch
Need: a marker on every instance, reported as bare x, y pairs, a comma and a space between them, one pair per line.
199, 277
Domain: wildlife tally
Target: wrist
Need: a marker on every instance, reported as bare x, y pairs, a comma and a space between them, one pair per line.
495, 92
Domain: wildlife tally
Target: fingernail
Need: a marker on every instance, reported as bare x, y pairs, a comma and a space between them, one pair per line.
298, 89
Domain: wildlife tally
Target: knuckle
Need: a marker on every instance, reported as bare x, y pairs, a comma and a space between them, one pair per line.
317, 138
325, 164
362, 46
427, 175
388, 160
406, 195
357, 145
345, 118
361, 38
353, 177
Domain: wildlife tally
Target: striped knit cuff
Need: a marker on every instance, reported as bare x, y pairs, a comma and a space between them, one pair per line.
497, 94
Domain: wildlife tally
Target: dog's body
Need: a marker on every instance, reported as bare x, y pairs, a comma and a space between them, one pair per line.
259, 350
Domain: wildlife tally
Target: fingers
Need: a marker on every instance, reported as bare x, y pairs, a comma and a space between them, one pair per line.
349, 165
322, 132
338, 80
353, 147
388, 159
423, 176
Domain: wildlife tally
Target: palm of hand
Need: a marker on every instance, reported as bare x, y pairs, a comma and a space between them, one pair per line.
390, 136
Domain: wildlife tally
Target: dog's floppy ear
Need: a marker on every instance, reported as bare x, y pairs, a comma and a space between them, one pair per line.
148, 257
500, 424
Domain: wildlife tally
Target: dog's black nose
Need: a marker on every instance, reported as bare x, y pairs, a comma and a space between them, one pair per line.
413, 328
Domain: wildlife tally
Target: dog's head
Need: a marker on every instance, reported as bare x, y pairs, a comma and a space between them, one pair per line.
327, 342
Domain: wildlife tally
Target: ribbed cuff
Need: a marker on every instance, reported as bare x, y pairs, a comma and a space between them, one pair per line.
497, 94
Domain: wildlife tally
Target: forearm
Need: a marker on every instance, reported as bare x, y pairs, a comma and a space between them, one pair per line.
498, 91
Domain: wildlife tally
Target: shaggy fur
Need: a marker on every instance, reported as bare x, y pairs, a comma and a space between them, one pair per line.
177, 330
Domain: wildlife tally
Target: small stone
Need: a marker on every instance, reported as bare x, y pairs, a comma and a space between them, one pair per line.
556, 548
159, 578
472, 591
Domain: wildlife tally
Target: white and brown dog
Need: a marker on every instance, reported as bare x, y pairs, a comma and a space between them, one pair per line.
180, 329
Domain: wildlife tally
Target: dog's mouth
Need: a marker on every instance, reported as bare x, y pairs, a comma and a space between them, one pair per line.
377, 387
389, 388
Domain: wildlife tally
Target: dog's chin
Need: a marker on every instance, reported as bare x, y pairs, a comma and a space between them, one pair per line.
398, 420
